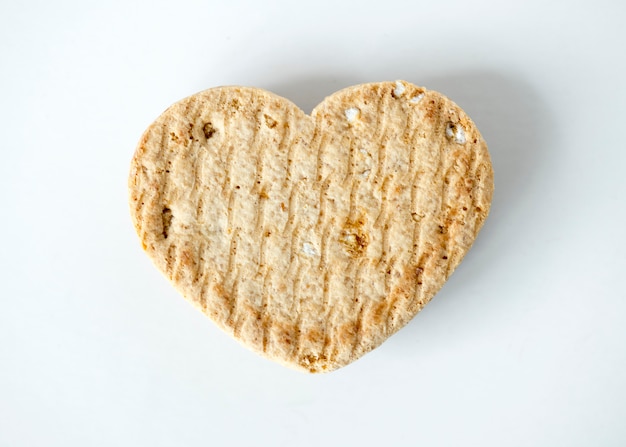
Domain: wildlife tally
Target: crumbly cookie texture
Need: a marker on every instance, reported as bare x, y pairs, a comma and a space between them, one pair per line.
310, 239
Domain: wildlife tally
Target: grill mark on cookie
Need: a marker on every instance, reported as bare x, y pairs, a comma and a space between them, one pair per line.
266, 321
413, 137
354, 188
318, 147
382, 212
381, 172
229, 191
382, 216
261, 263
443, 173
227, 184
293, 247
291, 227
169, 260
323, 201
258, 190
198, 252
415, 178
475, 191
359, 305
224, 147
292, 208
325, 307
479, 192
437, 146
160, 179
297, 310
190, 145
416, 243
435, 149
260, 149
381, 105
198, 184
417, 301
265, 240
330, 339
471, 175
232, 198
288, 174
447, 224
380, 137
350, 161
203, 289
232, 270
414, 263
326, 233
318, 143
323, 226
236, 319
254, 227
140, 210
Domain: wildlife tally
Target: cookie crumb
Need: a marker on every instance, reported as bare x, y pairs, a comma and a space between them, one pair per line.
352, 114
456, 132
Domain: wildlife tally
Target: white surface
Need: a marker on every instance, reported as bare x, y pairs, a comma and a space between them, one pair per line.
525, 345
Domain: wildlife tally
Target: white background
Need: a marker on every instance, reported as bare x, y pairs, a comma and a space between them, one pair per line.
526, 343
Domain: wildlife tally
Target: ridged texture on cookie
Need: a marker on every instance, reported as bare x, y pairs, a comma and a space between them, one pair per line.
311, 239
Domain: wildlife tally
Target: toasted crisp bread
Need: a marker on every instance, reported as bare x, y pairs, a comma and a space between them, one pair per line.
311, 239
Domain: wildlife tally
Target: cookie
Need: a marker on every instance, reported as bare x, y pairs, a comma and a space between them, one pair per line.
310, 239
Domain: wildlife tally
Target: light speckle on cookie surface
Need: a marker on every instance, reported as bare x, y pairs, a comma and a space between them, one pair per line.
308, 249
352, 114
416, 98
399, 89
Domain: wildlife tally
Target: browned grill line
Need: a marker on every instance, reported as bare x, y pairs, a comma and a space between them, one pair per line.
476, 164
383, 216
316, 141
358, 303
236, 319
292, 207
326, 306
317, 146
204, 288
252, 149
349, 177
265, 297
264, 314
297, 298
447, 194
417, 226
439, 139
169, 268
163, 178
323, 201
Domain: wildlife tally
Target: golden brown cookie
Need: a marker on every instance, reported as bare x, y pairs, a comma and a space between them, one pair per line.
311, 239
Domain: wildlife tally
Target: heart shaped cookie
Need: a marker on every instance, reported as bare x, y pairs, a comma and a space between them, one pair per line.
310, 239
